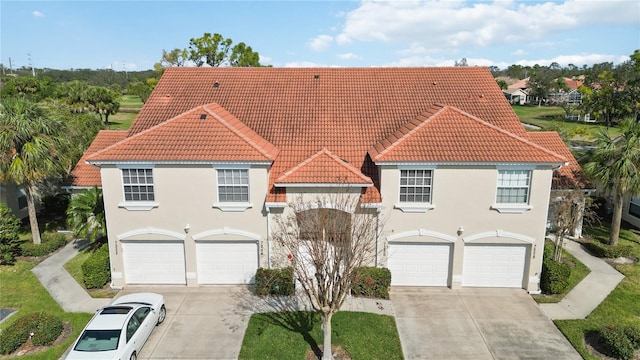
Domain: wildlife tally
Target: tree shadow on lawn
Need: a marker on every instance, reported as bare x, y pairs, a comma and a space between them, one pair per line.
300, 322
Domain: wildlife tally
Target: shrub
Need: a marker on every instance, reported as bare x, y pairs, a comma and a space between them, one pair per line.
53, 213
609, 251
633, 333
619, 344
9, 236
555, 276
45, 328
274, 281
50, 243
372, 282
95, 270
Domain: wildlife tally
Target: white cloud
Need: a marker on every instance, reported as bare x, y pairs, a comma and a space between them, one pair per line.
519, 52
320, 43
577, 59
452, 24
348, 56
265, 59
301, 64
37, 14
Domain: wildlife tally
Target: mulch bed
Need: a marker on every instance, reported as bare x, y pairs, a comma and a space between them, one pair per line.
338, 353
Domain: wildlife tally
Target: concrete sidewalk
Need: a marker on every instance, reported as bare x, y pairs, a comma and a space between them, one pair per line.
63, 287
590, 292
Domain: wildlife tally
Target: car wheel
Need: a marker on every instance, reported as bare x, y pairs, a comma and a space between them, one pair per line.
133, 356
162, 315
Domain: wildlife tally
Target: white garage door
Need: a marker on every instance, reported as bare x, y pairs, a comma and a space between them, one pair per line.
414, 264
229, 262
493, 265
154, 262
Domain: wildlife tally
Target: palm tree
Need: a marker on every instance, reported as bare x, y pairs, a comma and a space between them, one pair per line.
85, 214
31, 149
615, 163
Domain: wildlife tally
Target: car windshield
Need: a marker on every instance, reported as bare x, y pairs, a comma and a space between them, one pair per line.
98, 340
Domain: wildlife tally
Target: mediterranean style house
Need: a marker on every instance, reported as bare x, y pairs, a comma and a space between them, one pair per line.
437, 154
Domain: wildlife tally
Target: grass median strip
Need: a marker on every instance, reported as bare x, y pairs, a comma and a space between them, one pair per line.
290, 335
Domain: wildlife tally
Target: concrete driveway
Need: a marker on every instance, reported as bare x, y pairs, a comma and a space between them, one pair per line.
201, 323
475, 324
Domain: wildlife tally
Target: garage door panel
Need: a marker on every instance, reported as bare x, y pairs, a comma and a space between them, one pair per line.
494, 265
232, 262
416, 264
154, 262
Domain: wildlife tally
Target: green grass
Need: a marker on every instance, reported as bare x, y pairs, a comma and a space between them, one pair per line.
129, 107
578, 272
74, 267
551, 118
20, 289
289, 335
622, 306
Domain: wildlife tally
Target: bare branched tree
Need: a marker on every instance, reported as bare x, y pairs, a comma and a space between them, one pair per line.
327, 239
568, 208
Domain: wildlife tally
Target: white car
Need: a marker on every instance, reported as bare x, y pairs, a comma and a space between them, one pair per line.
119, 331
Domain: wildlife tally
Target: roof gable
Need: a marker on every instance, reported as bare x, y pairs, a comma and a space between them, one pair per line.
323, 167
570, 175
205, 133
86, 175
446, 134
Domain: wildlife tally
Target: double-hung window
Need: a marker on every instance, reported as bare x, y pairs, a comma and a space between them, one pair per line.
233, 185
415, 192
513, 186
138, 184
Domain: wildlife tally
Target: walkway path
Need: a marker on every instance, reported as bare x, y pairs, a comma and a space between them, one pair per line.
590, 292
63, 287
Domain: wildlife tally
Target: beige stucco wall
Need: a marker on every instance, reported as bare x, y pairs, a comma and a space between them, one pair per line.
463, 197
185, 194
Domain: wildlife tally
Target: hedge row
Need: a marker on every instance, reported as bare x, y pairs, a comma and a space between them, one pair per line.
554, 278
95, 270
622, 341
50, 243
608, 251
372, 282
44, 327
274, 281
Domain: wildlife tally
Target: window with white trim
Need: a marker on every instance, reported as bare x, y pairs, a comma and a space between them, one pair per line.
415, 186
513, 186
233, 185
138, 184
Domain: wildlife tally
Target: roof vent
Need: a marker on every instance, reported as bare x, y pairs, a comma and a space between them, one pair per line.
316, 77
203, 116
216, 84
435, 83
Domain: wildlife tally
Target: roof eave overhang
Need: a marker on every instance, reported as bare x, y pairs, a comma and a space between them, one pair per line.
176, 162
321, 185
464, 163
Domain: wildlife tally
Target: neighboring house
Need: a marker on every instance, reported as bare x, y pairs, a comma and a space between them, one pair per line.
516, 96
217, 154
631, 211
15, 198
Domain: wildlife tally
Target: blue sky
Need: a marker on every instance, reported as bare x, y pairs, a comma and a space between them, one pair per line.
131, 35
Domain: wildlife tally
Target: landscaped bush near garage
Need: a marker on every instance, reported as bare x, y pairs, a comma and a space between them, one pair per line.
95, 270
50, 243
622, 341
555, 275
608, 251
44, 327
274, 281
372, 282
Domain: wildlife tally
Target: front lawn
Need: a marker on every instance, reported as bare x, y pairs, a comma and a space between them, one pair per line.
74, 267
290, 335
21, 290
621, 307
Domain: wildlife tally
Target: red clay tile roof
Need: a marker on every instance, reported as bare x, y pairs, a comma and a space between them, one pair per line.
323, 167
87, 175
446, 134
205, 133
299, 111
569, 176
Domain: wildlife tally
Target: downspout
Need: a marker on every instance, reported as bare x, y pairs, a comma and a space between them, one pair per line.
268, 236
378, 210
